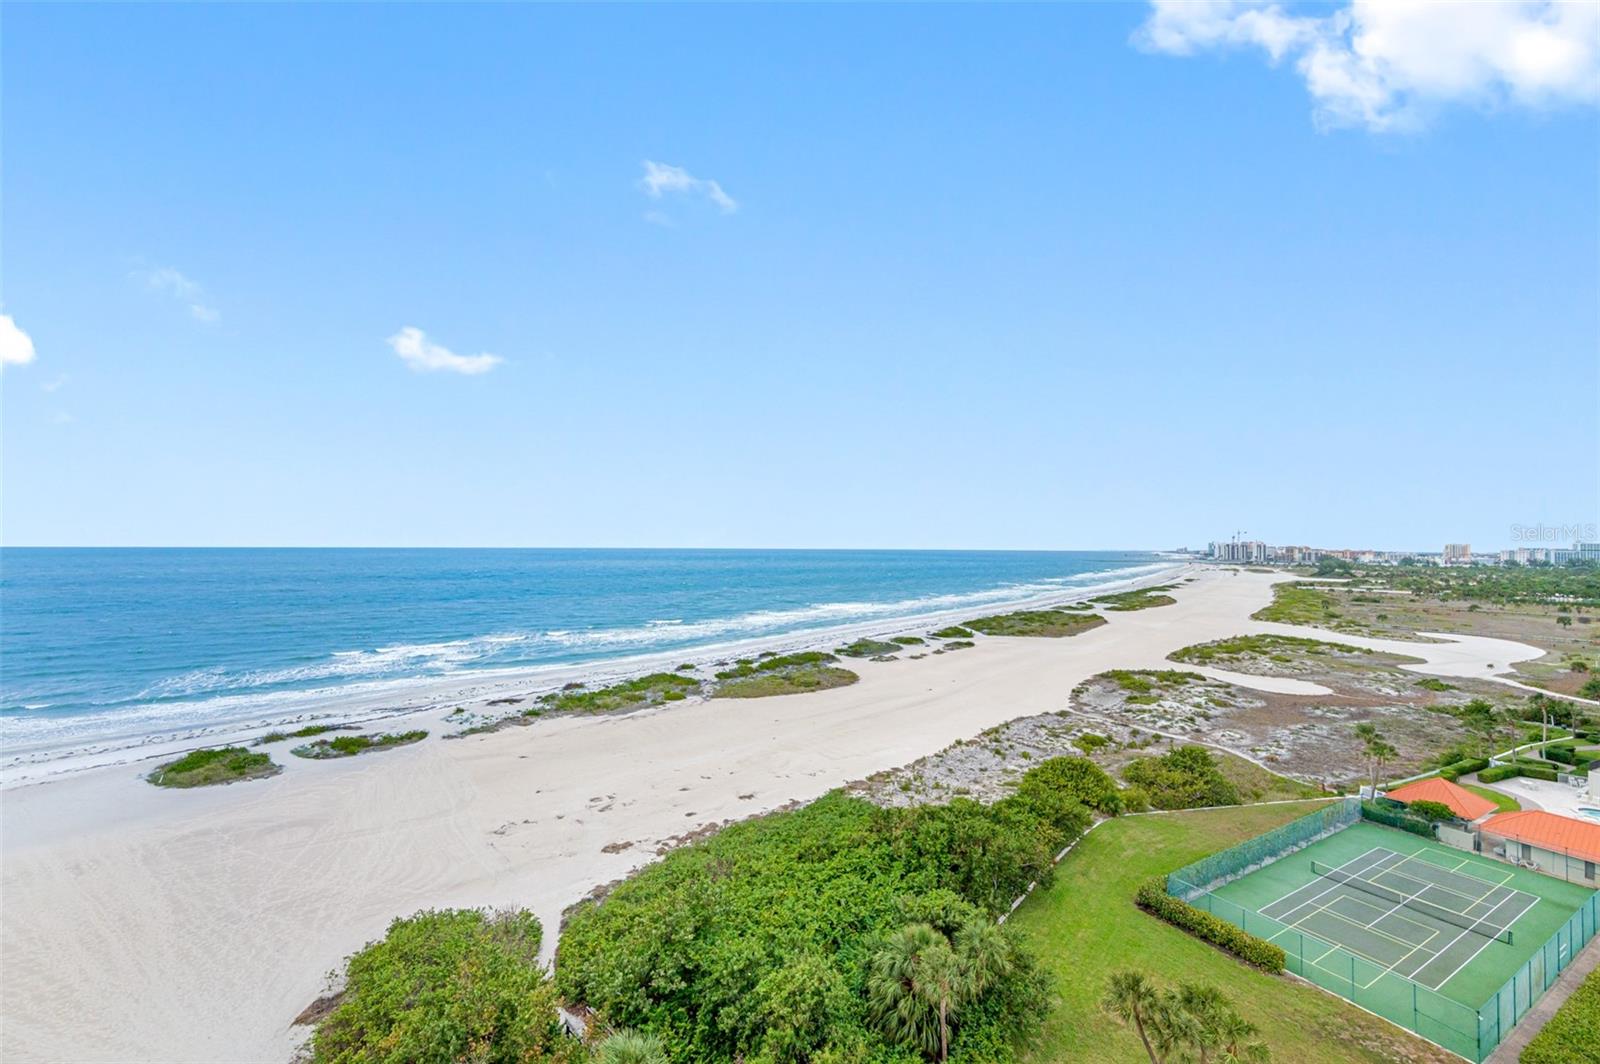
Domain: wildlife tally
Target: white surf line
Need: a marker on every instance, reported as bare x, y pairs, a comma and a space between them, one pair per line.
1325, 891
1474, 954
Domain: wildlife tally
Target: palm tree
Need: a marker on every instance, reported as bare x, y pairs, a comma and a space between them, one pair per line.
1377, 749
986, 956
632, 1047
915, 983
1132, 999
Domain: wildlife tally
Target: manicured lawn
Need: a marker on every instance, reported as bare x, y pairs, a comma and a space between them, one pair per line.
1086, 925
1506, 803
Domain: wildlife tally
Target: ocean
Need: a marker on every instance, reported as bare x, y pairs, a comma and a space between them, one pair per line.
97, 644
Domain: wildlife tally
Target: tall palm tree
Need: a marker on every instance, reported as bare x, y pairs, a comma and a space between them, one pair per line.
1376, 747
1132, 999
986, 955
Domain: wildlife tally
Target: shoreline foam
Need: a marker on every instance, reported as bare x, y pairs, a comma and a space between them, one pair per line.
472, 689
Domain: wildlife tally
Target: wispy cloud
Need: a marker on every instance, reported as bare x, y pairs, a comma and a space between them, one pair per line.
661, 179
424, 356
54, 384
16, 346
1387, 64
168, 281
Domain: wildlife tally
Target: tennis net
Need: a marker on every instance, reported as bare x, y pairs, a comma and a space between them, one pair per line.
1412, 902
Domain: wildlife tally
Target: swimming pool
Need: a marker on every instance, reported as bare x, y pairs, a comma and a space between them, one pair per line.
1589, 811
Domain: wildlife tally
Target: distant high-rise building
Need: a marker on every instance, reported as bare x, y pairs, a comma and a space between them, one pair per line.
1586, 552
1457, 553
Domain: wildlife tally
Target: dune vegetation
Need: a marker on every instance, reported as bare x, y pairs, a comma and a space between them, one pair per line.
811, 670
203, 768
1051, 624
309, 731
351, 745
638, 693
1143, 599
868, 648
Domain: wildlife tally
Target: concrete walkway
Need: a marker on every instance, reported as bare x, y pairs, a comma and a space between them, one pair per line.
1510, 1050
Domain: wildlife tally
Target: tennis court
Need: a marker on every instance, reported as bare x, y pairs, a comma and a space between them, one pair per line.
1420, 915
1452, 945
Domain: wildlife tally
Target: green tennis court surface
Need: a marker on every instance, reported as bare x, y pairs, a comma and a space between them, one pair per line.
1375, 912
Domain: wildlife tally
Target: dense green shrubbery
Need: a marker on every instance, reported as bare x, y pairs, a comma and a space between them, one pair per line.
1185, 778
758, 942
1572, 1036
955, 631
1153, 898
1432, 810
1072, 778
1497, 773
1048, 623
201, 768
1145, 681
1396, 816
447, 986
1455, 770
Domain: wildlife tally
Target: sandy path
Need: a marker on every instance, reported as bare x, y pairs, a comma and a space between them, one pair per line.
138, 924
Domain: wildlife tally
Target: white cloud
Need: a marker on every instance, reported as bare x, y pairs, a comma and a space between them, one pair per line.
660, 179
55, 384
166, 280
16, 346
416, 351
1386, 64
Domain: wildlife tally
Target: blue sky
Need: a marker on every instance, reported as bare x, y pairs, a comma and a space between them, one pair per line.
1014, 276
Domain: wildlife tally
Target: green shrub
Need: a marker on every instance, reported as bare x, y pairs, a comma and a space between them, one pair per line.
1143, 599
1572, 1036
1432, 810
758, 926
909, 640
445, 986
1433, 683
1185, 778
1153, 898
203, 768
810, 670
955, 631
1467, 767
1497, 773
1396, 816
1074, 779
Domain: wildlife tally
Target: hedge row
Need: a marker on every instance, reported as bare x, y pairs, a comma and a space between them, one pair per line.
1573, 1034
1397, 819
1154, 899
1505, 772
1455, 771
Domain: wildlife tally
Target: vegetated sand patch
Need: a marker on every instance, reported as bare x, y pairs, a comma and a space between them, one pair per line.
126, 905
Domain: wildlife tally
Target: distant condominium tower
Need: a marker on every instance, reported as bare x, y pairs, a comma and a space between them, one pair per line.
1457, 552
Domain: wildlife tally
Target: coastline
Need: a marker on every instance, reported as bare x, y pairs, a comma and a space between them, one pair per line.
430, 697
244, 896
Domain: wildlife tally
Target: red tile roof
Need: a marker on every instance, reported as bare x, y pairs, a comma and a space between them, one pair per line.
1548, 831
1462, 802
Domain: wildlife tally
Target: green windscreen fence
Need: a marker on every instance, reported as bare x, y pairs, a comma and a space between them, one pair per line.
1233, 862
1512, 1001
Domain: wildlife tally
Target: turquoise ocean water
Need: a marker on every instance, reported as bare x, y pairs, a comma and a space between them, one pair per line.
113, 641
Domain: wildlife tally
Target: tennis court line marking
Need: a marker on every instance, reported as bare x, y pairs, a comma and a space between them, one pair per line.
1533, 900
1382, 968
1403, 901
1314, 897
1372, 925
1471, 901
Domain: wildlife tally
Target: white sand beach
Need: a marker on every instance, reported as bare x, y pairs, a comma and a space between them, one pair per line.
142, 924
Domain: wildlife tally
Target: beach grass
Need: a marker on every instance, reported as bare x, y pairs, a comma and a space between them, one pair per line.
1240, 646
811, 670
351, 745
204, 768
1143, 599
1085, 925
1050, 624
955, 631
639, 693
867, 648
307, 732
